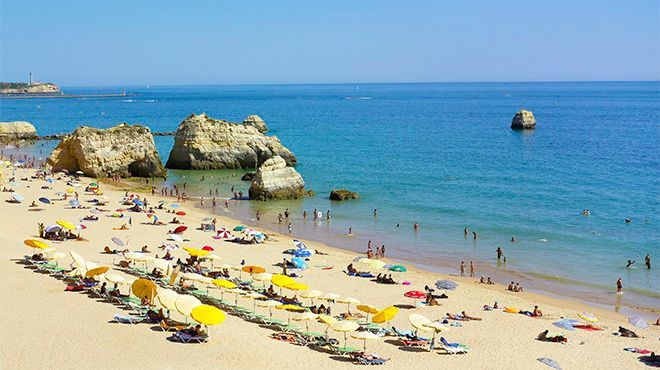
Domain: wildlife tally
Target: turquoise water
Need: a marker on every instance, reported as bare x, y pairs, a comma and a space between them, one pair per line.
441, 155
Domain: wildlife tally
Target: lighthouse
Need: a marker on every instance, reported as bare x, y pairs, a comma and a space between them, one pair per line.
30, 81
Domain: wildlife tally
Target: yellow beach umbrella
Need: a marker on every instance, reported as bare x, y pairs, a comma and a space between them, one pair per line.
114, 278
385, 315
97, 271
66, 224
167, 298
588, 317
436, 327
306, 317
327, 319
33, 243
69, 190
253, 269
348, 301
270, 304
345, 327
186, 303
208, 315
420, 322
296, 287
311, 294
290, 308
263, 277
223, 283
364, 336
143, 288
282, 280
368, 309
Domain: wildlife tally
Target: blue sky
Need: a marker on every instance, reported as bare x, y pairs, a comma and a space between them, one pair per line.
94, 43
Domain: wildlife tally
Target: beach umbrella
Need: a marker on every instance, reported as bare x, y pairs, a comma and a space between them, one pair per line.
270, 304
33, 243
282, 280
223, 284
345, 327
306, 317
119, 242
377, 264
328, 296
419, 322
213, 258
143, 288
175, 238
348, 301
66, 224
70, 190
186, 303
253, 269
181, 213
290, 308
446, 284
74, 203
207, 219
97, 271
415, 294
296, 287
17, 197
114, 278
568, 324
208, 248
364, 336
133, 255
44, 200
328, 321
223, 233
163, 265
137, 201
180, 229
385, 315
311, 294
53, 228
263, 277
77, 259
299, 263
208, 315
588, 317
302, 253
550, 362
398, 268
638, 322
436, 327
236, 292
239, 228
368, 309
56, 256
255, 296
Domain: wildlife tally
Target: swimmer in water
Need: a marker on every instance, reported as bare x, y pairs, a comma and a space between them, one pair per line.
630, 263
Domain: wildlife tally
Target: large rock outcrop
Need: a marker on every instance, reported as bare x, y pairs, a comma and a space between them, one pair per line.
523, 120
17, 131
203, 143
25, 88
343, 194
256, 122
275, 181
126, 150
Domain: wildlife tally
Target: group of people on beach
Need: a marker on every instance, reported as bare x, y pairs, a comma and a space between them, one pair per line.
380, 251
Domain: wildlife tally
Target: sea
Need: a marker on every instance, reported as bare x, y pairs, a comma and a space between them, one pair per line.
441, 155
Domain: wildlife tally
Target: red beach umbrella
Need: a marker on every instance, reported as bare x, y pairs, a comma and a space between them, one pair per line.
181, 213
224, 233
415, 294
208, 248
180, 229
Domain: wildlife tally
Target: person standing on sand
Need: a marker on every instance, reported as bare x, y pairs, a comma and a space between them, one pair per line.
382, 251
499, 252
471, 269
369, 251
619, 286
647, 260
462, 267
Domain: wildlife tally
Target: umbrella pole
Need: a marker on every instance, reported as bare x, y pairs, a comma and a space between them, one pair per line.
345, 340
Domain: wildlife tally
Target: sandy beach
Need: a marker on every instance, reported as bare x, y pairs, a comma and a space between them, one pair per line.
47, 327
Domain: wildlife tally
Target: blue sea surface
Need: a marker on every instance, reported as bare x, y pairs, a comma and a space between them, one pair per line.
442, 155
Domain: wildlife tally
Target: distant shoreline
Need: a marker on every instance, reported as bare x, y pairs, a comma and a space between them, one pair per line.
65, 96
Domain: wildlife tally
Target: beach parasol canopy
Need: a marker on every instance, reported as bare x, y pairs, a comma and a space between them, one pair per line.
66, 224
52, 228
208, 315
348, 301
415, 294
385, 315
588, 317
269, 304
181, 213
167, 298
186, 303
264, 276
568, 324
282, 280
77, 259
97, 271
419, 322
118, 241
114, 278
17, 197
33, 243
253, 269
311, 294
180, 229
364, 336
446, 284
222, 283
208, 248
239, 228
326, 319
299, 263
143, 288
175, 238
133, 255
296, 287
638, 322
328, 296
345, 327
302, 253
44, 200
398, 268
298, 244
306, 317
74, 203
223, 233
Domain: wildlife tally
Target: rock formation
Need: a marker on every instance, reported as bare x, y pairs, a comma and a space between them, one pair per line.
126, 150
203, 143
275, 181
17, 131
248, 176
523, 120
256, 122
343, 194
24, 88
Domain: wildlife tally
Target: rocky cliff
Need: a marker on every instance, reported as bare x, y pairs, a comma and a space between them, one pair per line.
202, 143
17, 131
523, 120
256, 122
126, 150
23, 88
275, 181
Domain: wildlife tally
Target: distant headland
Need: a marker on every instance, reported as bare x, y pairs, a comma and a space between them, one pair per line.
21, 88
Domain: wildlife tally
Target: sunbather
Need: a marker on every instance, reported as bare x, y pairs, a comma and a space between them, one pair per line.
627, 333
468, 317
543, 336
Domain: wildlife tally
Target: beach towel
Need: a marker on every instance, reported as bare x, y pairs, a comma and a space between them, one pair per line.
637, 350
550, 362
587, 327
74, 288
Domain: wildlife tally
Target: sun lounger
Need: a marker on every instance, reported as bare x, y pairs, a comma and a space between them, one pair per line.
344, 350
453, 348
366, 359
127, 319
187, 338
414, 342
169, 325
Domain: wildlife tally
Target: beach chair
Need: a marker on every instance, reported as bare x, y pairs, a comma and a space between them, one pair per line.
453, 348
127, 319
170, 325
346, 350
187, 338
365, 359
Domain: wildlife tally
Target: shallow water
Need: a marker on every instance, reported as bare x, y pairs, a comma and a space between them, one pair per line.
441, 155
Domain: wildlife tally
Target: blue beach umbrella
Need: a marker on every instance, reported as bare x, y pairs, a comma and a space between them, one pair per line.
638, 322
44, 200
567, 324
298, 244
302, 253
446, 284
138, 202
74, 203
299, 263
